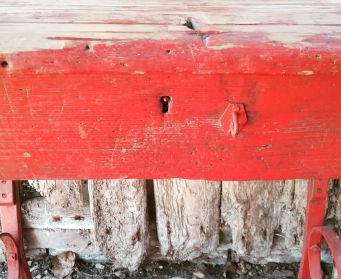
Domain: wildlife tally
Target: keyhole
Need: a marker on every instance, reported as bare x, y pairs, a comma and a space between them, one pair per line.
165, 100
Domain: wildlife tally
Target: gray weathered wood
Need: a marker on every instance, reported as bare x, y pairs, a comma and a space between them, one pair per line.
119, 213
264, 217
61, 193
187, 217
60, 239
38, 213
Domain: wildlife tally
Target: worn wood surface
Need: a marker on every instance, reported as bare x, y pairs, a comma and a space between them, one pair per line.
262, 217
56, 24
61, 193
119, 214
262, 221
60, 239
187, 215
63, 113
74, 118
39, 213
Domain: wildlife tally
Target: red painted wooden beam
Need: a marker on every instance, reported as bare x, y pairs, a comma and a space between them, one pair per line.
79, 113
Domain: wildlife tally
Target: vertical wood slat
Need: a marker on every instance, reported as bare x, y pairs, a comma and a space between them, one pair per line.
263, 216
187, 213
61, 193
119, 214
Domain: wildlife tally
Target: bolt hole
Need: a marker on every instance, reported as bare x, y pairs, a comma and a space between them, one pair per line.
4, 64
168, 51
165, 100
4, 196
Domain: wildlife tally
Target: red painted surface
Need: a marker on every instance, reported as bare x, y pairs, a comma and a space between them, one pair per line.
315, 210
76, 114
334, 244
11, 236
80, 114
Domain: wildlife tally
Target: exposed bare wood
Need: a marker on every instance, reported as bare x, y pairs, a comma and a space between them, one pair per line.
264, 218
60, 239
55, 24
61, 193
187, 213
119, 212
333, 214
40, 214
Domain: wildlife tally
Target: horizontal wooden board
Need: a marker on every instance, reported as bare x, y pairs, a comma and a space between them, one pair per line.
91, 108
96, 113
38, 213
35, 24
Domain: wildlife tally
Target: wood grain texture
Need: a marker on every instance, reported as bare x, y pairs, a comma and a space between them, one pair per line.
52, 24
187, 214
38, 213
61, 193
119, 214
88, 104
264, 218
60, 239
63, 113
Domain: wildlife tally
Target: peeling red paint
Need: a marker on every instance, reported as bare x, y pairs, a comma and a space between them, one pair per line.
97, 114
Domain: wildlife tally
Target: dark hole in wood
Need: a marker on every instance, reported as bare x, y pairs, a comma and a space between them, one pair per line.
168, 51
87, 48
189, 24
165, 100
4, 64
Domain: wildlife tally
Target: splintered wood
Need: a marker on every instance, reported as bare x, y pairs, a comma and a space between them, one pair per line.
264, 216
187, 214
261, 220
119, 214
61, 193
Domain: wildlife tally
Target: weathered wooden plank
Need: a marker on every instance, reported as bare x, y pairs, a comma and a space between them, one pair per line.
264, 218
55, 24
119, 213
38, 213
187, 214
57, 106
60, 239
61, 193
